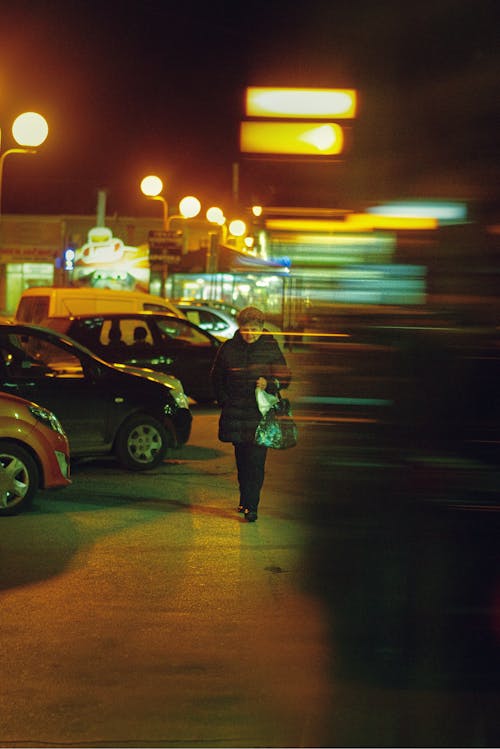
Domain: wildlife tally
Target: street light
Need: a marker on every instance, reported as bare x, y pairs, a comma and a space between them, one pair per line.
151, 187
29, 130
237, 228
189, 207
216, 215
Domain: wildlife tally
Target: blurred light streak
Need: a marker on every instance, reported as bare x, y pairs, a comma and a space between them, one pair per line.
304, 139
336, 401
308, 224
297, 102
444, 212
334, 419
278, 333
353, 222
367, 221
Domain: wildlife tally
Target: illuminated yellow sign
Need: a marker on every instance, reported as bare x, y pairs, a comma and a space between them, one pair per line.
316, 103
304, 139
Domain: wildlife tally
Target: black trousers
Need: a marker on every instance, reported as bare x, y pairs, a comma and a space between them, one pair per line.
250, 462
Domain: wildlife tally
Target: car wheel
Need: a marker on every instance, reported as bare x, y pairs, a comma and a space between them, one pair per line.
141, 443
19, 478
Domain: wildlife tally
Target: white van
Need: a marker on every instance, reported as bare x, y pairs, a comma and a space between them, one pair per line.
41, 304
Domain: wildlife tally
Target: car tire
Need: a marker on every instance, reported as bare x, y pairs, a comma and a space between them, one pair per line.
19, 478
141, 443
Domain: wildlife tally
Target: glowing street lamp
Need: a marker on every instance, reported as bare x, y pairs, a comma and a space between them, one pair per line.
151, 187
29, 130
189, 207
216, 215
237, 228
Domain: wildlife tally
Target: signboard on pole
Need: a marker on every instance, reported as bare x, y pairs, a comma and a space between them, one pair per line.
165, 247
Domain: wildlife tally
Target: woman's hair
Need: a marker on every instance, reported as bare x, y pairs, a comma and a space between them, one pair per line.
250, 315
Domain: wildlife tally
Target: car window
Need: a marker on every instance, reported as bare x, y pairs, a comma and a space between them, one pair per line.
87, 332
177, 329
151, 307
33, 309
208, 320
193, 315
202, 318
214, 323
128, 328
31, 355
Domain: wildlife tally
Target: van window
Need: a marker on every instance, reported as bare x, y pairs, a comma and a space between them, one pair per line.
33, 309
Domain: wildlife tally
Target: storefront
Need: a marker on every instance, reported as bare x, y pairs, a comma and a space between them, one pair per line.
29, 247
242, 278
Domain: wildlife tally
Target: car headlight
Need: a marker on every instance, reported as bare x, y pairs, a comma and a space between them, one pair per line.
46, 417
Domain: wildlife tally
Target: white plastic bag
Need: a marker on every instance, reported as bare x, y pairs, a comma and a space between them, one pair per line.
265, 401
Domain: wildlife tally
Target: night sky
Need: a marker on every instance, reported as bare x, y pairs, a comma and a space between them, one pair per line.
132, 88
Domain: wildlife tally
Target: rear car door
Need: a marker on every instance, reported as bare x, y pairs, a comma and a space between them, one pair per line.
190, 352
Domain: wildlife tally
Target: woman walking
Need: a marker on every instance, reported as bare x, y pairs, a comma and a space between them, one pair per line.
252, 358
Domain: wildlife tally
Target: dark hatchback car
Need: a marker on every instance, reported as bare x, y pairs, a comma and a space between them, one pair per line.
103, 410
152, 340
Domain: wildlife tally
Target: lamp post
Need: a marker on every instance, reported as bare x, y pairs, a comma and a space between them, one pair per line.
234, 229
151, 187
215, 215
29, 130
189, 207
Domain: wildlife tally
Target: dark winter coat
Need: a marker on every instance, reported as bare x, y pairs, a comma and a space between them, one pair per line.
235, 371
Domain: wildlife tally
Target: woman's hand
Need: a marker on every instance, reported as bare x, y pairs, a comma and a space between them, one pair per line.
261, 383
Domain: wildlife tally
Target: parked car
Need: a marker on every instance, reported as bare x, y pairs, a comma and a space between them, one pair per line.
169, 344
104, 410
34, 453
217, 322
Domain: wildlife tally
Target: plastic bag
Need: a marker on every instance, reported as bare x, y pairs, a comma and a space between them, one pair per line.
265, 400
277, 428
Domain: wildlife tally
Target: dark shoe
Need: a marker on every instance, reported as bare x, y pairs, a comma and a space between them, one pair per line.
250, 516
241, 508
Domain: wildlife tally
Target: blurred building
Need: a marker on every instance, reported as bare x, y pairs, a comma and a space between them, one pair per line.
300, 265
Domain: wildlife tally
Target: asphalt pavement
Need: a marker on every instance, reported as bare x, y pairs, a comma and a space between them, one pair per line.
362, 609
